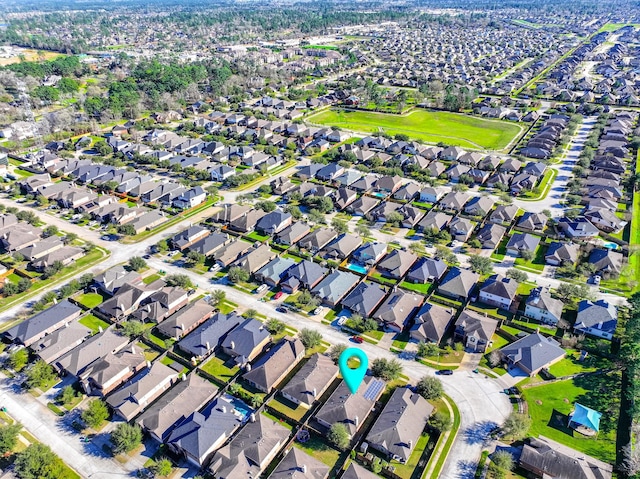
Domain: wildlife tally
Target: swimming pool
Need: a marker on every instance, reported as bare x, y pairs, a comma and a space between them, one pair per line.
380, 195
240, 407
357, 268
610, 245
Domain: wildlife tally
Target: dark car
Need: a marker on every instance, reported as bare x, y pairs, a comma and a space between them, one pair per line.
147, 256
445, 372
281, 310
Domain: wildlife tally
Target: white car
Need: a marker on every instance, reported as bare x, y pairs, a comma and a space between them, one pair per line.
342, 320
261, 288
214, 268
316, 311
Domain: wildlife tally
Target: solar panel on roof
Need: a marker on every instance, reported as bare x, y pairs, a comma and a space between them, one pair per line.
374, 389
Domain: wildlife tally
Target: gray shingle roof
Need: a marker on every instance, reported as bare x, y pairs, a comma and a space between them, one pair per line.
35, 327
458, 282
335, 285
533, 352
268, 370
316, 375
299, 465
364, 298
212, 332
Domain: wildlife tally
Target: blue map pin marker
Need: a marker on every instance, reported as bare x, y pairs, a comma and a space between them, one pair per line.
353, 377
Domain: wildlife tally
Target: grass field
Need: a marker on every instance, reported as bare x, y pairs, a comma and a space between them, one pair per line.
612, 27
550, 404
29, 55
430, 126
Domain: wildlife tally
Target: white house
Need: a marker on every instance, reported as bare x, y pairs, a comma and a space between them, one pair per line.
540, 306
190, 198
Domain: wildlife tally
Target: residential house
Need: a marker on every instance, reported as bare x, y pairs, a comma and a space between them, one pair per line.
46, 322
354, 471
61, 341
188, 395
398, 309
107, 373
185, 320
434, 221
341, 247
317, 239
534, 222
292, 234
306, 274
132, 398
461, 228
608, 263
245, 342
542, 307
532, 353
199, 435
598, 319
268, 371
188, 237
560, 253
335, 286
311, 381
453, 201
207, 337
577, 228
190, 198
274, 271
350, 409
396, 264
605, 219
388, 184
401, 423
231, 252
546, 458
273, 222
370, 253
504, 214
19, 236
330, 172
490, 235
479, 206
231, 213
76, 361
458, 283
127, 299
251, 450
474, 330
498, 291
364, 298
299, 465
431, 194
256, 258
520, 242
210, 244
247, 222
426, 270
431, 323
343, 197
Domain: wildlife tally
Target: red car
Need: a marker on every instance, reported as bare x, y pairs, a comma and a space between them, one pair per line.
277, 296
358, 339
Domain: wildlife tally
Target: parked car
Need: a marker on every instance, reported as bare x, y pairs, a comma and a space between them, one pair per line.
281, 309
358, 339
445, 372
342, 320
278, 295
214, 268
261, 288
316, 311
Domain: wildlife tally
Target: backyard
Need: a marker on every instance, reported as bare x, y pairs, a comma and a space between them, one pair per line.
429, 126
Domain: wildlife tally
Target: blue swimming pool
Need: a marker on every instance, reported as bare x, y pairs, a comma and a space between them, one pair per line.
380, 195
241, 408
357, 268
610, 245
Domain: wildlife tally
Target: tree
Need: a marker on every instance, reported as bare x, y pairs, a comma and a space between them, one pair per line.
394, 218
316, 216
68, 395
162, 246
294, 211
526, 255
236, 274
516, 425
133, 329
266, 206
275, 326
95, 413
163, 467
571, 293
427, 349
180, 280
430, 387
217, 297
338, 435
340, 226
38, 462
136, 263
517, 275
126, 437
336, 350
387, 369
363, 230
501, 463
195, 257
18, 360
126, 229
481, 264
23, 285
9, 437
446, 255
51, 230
39, 374
250, 313
441, 421
310, 338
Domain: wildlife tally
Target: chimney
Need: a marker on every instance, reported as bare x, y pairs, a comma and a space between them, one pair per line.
182, 326
223, 409
184, 377
357, 421
149, 364
315, 392
410, 444
303, 468
100, 328
233, 344
208, 346
252, 417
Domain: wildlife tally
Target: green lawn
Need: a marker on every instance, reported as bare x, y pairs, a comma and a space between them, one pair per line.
216, 367
94, 323
318, 449
289, 409
417, 287
151, 278
536, 265
430, 126
90, 300
406, 470
549, 405
226, 307
612, 27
